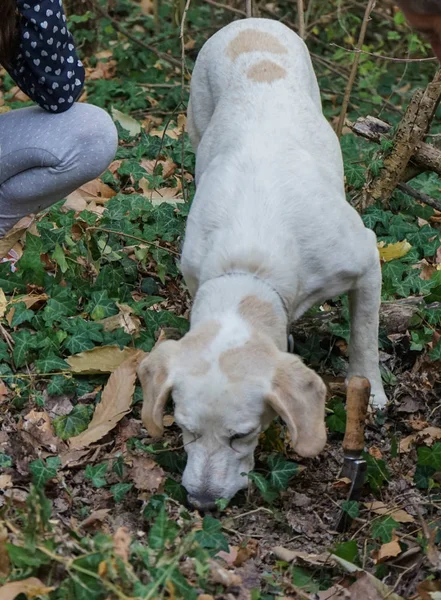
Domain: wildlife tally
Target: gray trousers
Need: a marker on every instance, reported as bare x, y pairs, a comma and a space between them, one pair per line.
44, 156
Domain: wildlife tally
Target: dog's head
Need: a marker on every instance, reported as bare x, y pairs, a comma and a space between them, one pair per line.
226, 390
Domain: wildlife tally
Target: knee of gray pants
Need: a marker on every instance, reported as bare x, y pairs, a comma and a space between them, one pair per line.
94, 139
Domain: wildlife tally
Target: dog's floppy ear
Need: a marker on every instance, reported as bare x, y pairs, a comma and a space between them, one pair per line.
298, 396
155, 377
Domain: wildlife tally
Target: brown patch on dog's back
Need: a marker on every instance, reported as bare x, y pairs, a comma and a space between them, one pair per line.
161, 376
258, 313
201, 337
200, 369
266, 71
253, 40
251, 359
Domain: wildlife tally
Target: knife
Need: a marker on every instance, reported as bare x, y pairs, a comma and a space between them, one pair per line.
354, 466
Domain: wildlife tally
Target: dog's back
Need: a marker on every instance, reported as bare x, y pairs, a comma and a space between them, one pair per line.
269, 169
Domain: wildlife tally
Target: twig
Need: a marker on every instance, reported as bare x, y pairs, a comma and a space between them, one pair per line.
249, 8
231, 9
162, 55
251, 512
182, 39
8, 338
301, 18
133, 237
424, 198
389, 58
352, 76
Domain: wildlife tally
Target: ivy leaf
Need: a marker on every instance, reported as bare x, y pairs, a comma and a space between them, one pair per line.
59, 384
348, 551
351, 508
336, 422
211, 536
175, 490
264, 487
4, 354
97, 474
435, 354
281, 471
60, 258
119, 490
63, 303
423, 476
51, 363
377, 473
383, 528
74, 423
5, 461
24, 343
101, 306
42, 471
23, 558
162, 531
21, 314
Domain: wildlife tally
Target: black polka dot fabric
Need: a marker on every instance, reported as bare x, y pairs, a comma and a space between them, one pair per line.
47, 67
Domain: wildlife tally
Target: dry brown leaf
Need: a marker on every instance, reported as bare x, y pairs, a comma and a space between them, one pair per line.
74, 458
125, 319
31, 587
230, 556
3, 303
3, 390
398, 514
222, 576
427, 588
104, 359
246, 552
168, 166
428, 435
75, 202
293, 555
95, 190
5, 481
388, 550
103, 70
98, 516
116, 401
38, 426
13, 235
367, 587
121, 543
146, 474
4, 556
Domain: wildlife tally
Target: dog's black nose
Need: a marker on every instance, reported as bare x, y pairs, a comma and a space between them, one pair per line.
202, 502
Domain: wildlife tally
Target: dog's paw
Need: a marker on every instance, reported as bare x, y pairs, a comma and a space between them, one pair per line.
378, 397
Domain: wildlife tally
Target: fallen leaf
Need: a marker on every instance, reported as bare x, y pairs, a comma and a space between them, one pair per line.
246, 552
32, 587
146, 474
5, 481
13, 235
375, 452
388, 550
124, 319
427, 589
103, 70
3, 390
98, 516
95, 191
38, 426
3, 303
4, 556
116, 401
428, 435
75, 202
368, 587
126, 121
230, 556
399, 515
121, 543
312, 559
222, 576
168, 166
165, 195
103, 359
393, 251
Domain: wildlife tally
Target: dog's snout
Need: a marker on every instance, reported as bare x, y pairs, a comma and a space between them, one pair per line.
202, 502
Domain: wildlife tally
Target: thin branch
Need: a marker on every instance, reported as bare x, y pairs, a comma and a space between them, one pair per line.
424, 198
182, 39
249, 8
231, 9
301, 18
352, 76
162, 55
389, 58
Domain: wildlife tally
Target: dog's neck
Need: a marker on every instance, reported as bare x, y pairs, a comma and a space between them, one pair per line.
244, 294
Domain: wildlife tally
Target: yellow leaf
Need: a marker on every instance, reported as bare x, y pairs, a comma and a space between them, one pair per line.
399, 515
393, 251
126, 122
31, 587
3, 303
12, 237
388, 550
104, 359
116, 402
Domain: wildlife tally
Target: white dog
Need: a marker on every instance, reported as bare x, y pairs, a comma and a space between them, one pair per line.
270, 233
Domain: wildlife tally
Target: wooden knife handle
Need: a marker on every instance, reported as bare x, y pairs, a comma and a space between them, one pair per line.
357, 401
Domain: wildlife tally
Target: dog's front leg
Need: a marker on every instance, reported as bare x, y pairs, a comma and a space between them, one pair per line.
364, 307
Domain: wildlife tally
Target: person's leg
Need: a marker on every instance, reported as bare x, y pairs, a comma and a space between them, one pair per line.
44, 157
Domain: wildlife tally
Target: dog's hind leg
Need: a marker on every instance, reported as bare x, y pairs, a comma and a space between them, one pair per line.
364, 306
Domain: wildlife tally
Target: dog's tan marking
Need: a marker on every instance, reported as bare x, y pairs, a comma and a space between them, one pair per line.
266, 71
200, 337
258, 313
252, 40
251, 359
161, 376
200, 369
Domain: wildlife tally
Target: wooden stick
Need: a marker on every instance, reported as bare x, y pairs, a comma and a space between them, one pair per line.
352, 76
249, 8
301, 18
357, 402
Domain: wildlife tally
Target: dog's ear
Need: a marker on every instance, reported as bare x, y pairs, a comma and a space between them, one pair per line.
298, 396
155, 376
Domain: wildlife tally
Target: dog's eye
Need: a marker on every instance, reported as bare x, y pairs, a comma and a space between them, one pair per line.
241, 436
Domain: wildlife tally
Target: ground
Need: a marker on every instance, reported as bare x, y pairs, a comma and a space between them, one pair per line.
93, 507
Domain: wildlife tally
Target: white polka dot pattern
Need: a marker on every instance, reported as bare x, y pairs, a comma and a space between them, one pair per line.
47, 67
